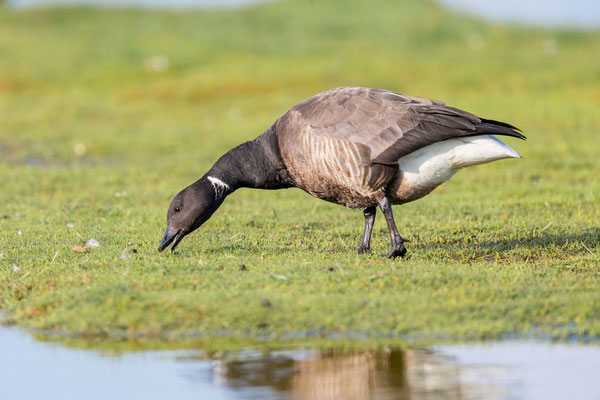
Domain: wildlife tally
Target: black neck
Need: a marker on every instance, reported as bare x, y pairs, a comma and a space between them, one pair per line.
255, 164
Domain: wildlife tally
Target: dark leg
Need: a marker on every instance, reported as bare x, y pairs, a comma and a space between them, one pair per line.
397, 248
365, 244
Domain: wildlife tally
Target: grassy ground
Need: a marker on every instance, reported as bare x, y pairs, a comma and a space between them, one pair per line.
105, 115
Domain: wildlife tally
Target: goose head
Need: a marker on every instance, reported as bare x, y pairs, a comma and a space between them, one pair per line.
190, 208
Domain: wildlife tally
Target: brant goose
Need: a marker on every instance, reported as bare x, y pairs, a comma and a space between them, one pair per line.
357, 147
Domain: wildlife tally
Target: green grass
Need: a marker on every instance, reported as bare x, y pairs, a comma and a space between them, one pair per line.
507, 248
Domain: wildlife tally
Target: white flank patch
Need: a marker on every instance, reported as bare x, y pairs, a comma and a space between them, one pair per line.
477, 150
218, 186
433, 165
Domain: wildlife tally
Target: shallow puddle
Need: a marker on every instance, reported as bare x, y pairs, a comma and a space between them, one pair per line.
502, 370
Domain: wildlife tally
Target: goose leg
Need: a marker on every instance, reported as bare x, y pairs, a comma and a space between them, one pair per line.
398, 241
365, 244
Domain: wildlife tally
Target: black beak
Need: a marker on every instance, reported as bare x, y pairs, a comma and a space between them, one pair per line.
171, 236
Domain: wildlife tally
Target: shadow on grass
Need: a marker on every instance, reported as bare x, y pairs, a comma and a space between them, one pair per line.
538, 246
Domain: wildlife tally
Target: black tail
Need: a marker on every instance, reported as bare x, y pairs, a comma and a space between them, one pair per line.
489, 126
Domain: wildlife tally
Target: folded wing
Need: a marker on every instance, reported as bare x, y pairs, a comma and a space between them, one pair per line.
383, 126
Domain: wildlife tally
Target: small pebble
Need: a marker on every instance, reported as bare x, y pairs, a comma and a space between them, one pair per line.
79, 149
15, 268
70, 225
242, 267
265, 303
92, 243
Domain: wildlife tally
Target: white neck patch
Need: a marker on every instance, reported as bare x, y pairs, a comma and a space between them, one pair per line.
218, 186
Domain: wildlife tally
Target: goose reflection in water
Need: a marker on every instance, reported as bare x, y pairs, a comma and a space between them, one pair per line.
336, 375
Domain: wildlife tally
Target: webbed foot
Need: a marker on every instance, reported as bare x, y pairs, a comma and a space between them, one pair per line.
398, 249
363, 249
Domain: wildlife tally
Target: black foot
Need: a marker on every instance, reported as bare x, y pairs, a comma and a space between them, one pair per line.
363, 250
398, 249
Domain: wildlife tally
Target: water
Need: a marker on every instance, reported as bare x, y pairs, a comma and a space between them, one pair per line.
507, 370
580, 14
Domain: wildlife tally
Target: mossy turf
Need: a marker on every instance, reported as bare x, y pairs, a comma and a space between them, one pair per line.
106, 114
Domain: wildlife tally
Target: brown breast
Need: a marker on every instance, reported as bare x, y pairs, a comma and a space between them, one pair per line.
331, 169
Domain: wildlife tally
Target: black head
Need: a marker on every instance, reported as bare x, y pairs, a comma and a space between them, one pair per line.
193, 206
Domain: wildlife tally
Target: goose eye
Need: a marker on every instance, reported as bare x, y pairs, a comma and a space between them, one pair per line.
177, 209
